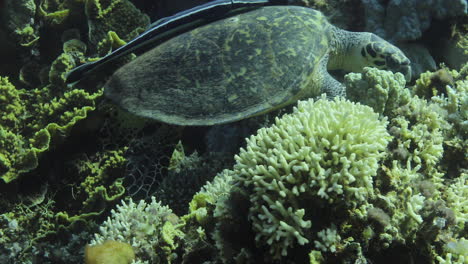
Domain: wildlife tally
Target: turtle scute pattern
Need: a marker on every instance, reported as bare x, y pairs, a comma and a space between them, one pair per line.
228, 70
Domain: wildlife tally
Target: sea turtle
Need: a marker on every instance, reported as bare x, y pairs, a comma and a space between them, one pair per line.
168, 27
246, 65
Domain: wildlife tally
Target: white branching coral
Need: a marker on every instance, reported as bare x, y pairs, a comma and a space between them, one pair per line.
325, 150
150, 228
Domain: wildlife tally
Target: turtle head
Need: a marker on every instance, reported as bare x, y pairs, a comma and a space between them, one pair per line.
381, 54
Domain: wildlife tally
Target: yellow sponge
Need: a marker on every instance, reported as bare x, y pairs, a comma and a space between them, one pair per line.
110, 252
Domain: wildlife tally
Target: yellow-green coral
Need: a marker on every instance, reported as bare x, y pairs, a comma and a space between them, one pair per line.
52, 120
433, 83
119, 16
418, 134
20, 17
455, 194
109, 252
73, 49
54, 12
328, 150
111, 42
150, 228
97, 179
42, 119
13, 148
379, 89
26, 222
11, 104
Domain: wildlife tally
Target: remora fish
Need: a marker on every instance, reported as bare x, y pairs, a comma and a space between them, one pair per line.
168, 27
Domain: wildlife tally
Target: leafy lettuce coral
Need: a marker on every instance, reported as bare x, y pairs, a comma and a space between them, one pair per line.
27, 137
107, 15
40, 109
45, 125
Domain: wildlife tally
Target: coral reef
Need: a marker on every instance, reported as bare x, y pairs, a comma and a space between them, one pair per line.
415, 198
381, 90
398, 20
57, 176
150, 228
109, 252
425, 30
104, 16
330, 182
329, 153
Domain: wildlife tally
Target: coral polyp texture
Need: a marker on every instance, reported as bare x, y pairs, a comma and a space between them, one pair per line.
109, 252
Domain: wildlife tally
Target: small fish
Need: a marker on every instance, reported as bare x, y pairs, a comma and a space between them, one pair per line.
168, 27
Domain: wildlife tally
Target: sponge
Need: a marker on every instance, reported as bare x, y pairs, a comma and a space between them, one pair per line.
110, 252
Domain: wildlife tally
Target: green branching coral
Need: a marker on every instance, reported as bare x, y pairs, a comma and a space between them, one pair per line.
28, 230
450, 96
431, 84
24, 224
455, 195
150, 228
381, 90
416, 185
325, 150
418, 134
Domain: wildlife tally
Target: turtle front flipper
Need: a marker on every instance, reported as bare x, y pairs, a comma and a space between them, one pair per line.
332, 87
329, 85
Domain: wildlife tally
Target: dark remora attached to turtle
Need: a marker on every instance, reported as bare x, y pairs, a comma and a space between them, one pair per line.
168, 27
245, 65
